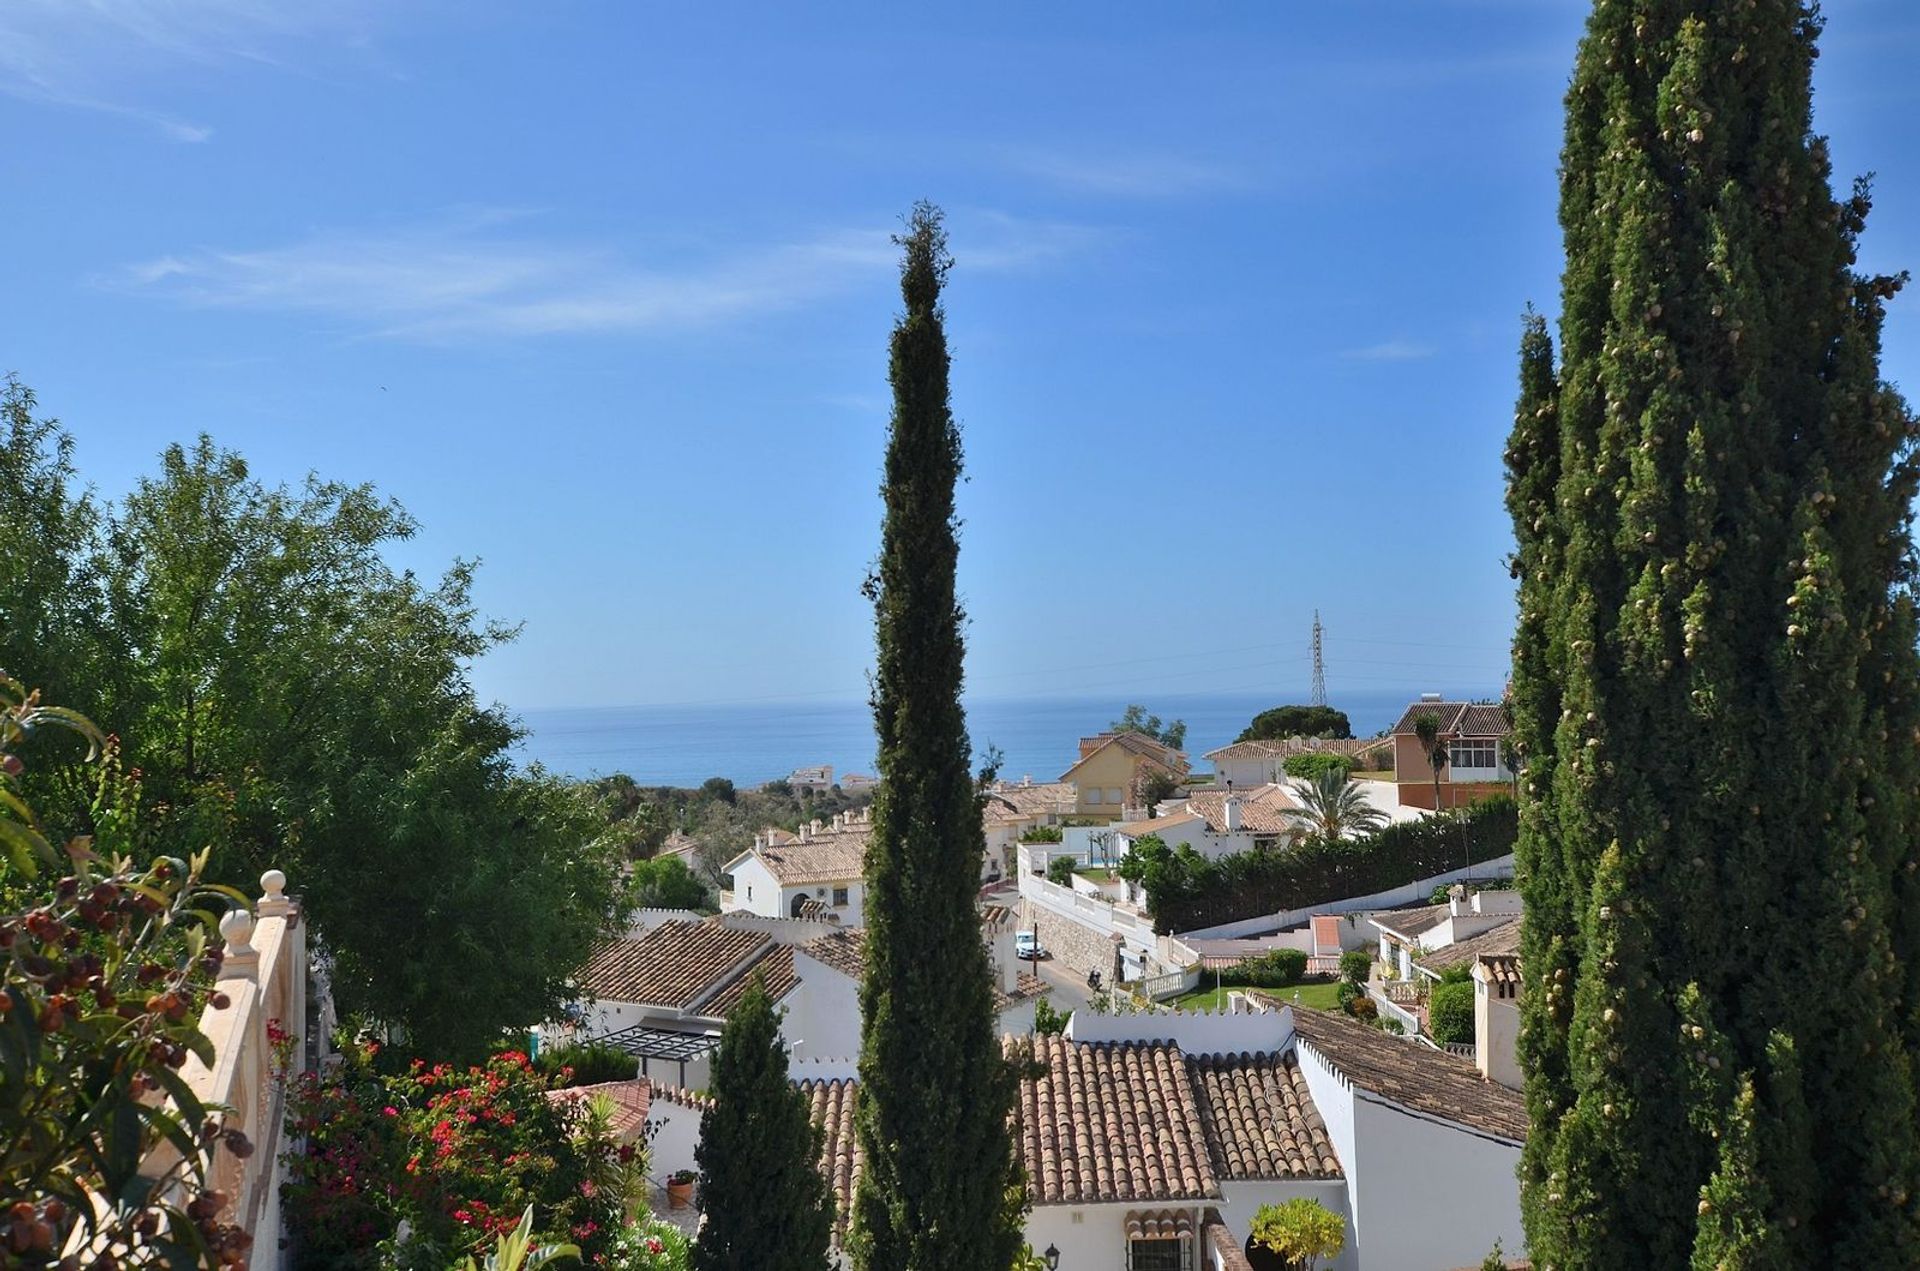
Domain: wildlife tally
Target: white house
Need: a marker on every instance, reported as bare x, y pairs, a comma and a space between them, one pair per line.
815, 874
1150, 1141
1013, 808
823, 1012
1218, 823
812, 779
1408, 935
1258, 763
664, 996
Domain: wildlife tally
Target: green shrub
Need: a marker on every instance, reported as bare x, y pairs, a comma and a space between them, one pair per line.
1060, 870
1355, 966
591, 1064
1315, 764
1047, 1021
1275, 969
1450, 1013
1041, 834
1393, 1026
1364, 1008
1348, 993
1186, 891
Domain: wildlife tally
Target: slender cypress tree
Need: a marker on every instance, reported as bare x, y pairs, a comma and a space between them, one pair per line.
766, 1202
936, 1091
1715, 677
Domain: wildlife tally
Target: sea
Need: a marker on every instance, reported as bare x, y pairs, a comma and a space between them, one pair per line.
752, 744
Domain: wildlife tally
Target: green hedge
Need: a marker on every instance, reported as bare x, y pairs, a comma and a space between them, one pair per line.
1450, 1012
591, 1063
1275, 969
1315, 764
1060, 870
1186, 891
1041, 834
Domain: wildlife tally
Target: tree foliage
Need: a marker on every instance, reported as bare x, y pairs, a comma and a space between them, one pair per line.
766, 1204
1282, 722
104, 974
666, 883
1301, 1230
1715, 685
293, 701
1136, 720
1332, 806
1450, 1012
1187, 891
936, 1092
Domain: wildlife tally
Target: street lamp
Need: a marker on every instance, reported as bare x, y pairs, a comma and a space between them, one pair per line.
1052, 1255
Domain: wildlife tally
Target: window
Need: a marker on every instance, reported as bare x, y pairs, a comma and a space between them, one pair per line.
1474, 752
839, 895
1156, 1255
1093, 796
1116, 795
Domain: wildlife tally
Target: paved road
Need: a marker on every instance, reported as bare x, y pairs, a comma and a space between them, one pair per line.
1069, 987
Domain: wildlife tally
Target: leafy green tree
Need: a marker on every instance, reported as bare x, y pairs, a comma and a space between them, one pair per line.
1136, 720
1427, 728
665, 882
1332, 807
1715, 685
1450, 1012
766, 1204
1297, 721
936, 1092
1301, 1230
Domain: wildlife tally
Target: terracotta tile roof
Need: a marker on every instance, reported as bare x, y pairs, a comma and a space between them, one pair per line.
775, 966
832, 1105
994, 916
1045, 798
1112, 1122
1281, 747
832, 856
1140, 829
1503, 972
1503, 939
1407, 1073
630, 1100
676, 964
1457, 719
844, 951
1259, 808
1228, 1253
1411, 922
1137, 744
1157, 1224
1260, 1118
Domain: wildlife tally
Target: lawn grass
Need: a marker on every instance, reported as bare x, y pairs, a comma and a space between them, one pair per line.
1318, 994
1098, 873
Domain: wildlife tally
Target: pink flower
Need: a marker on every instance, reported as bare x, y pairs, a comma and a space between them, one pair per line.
391, 1112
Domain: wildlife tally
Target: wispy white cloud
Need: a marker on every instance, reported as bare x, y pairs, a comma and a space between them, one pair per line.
94, 55
1391, 351
470, 278
1125, 174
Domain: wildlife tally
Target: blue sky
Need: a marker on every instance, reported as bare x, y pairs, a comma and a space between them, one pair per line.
601, 292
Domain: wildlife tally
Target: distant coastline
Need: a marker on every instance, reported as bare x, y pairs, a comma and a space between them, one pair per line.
750, 744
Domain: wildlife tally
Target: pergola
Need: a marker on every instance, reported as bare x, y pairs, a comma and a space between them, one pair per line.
663, 1045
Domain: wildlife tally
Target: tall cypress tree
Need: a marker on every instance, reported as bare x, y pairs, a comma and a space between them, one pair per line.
1715, 677
936, 1091
766, 1203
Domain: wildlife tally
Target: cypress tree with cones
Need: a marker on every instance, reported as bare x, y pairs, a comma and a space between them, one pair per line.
935, 1089
766, 1203
1715, 677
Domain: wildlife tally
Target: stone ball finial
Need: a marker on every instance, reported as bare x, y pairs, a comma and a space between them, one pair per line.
236, 926
274, 884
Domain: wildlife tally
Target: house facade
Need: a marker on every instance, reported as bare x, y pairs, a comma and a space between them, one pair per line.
1219, 822
817, 873
1246, 764
1475, 766
1107, 777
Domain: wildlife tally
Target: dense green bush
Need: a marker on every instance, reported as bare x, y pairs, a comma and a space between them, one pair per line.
1186, 891
1041, 834
1355, 966
585, 1064
1060, 870
1450, 1012
1315, 764
1275, 969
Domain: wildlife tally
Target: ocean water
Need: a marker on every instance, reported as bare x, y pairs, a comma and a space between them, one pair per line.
684, 745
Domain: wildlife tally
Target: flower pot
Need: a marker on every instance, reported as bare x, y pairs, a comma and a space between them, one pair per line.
679, 1195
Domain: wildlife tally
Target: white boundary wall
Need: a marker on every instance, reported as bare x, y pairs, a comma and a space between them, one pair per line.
1411, 893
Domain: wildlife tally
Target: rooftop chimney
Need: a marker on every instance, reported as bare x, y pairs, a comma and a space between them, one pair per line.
1230, 813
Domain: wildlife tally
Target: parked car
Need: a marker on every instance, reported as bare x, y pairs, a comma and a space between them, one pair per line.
1027, 946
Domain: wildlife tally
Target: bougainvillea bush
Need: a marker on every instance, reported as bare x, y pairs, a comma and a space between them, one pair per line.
650, 1244
454, 1154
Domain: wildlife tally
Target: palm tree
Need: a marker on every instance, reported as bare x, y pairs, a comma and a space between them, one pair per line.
1332, 807
1427, 729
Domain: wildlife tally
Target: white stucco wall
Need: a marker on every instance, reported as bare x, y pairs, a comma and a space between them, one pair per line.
755, 889
823, 1013
1431, 1194
675, 1131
